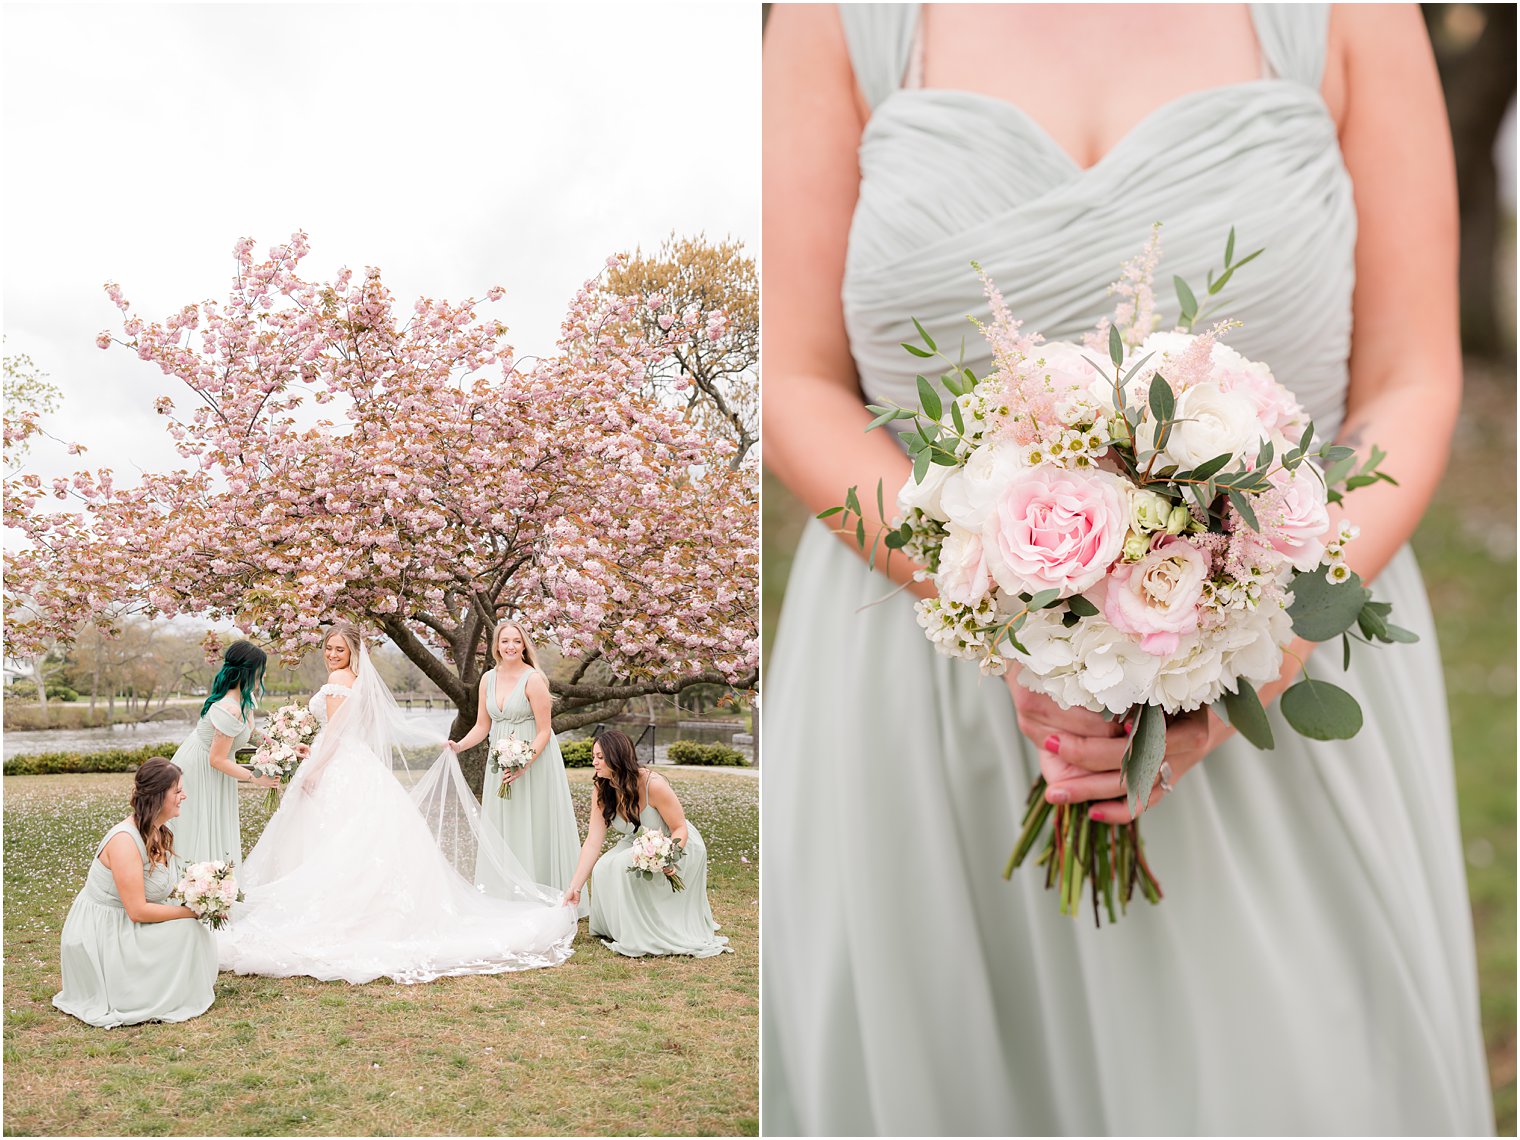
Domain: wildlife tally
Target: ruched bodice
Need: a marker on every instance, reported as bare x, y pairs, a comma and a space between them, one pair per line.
515, 709
949, 177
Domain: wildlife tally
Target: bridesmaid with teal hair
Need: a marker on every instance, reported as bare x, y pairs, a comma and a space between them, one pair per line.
126, 955
629, 913
537, 820
208, 827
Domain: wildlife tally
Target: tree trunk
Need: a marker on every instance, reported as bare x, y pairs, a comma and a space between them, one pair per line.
1479, 82
39, 676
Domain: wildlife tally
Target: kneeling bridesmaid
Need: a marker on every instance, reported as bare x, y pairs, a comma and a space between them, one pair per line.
127, 956
631, 914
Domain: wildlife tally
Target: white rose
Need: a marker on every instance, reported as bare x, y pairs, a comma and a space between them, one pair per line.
1209, 423
962, 575
926, 495
971, 493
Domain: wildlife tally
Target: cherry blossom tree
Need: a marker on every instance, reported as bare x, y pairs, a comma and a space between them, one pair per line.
350, 457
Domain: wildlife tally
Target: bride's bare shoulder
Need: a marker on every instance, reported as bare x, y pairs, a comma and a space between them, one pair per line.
344, 677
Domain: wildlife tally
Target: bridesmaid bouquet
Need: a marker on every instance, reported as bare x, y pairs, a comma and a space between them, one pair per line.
506, 757
653, 853
291, 730
1140, 523
209, 890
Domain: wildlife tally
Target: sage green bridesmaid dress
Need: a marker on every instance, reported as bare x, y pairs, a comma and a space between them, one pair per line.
207, 826
1311, 969
637, 916
120, 972
538, 819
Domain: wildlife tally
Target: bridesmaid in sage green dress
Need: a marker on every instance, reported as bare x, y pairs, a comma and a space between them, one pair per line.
631, 914
208, 828
1316, 925
537, 820
127, 956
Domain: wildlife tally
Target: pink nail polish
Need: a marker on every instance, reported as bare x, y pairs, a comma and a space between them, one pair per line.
1129, 727
1060, 796
1053, 744
1097, 815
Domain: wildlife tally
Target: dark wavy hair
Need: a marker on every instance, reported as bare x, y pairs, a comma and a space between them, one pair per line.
620, 794
155, 780
242, 669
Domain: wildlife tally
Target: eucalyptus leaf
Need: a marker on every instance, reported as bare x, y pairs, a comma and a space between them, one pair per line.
929, 398
918, 352
1115, 346
1043, 600
1080, 606
1143, 757
957, 419
1163, 403
1322, 609
1209, 466
1401, 635
1248, 717
1321, 711
1229, 246
886, 417
929, 340
1185, 299
829, 513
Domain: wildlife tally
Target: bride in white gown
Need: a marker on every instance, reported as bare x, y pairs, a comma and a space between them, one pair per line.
357, 878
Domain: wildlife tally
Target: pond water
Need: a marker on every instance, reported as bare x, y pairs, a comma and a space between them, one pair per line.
170, 733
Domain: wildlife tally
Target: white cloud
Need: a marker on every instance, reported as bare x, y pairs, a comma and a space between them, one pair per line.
454, 146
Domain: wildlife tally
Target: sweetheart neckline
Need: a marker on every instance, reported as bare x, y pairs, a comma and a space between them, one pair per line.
1141, 127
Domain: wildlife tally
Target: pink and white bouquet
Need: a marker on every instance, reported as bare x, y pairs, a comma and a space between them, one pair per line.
508, 756
289, 734
655, 853
209, 890
1139, 523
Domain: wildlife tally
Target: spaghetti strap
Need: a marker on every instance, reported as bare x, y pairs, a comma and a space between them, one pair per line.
880, 38
1294, 39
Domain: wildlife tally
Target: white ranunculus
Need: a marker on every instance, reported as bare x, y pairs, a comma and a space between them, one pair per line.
1065, 366
971, 492
1210, 423
926, 495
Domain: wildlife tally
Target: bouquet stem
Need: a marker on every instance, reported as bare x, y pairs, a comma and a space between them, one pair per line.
272, 798
504, 791
1107, 859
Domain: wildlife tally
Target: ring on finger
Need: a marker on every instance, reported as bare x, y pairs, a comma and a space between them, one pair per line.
1165, 776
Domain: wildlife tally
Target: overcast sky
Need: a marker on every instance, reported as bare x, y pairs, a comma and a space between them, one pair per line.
455, 146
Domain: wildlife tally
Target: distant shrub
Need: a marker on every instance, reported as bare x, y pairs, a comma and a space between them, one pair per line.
708, 755
577, 753
54, 763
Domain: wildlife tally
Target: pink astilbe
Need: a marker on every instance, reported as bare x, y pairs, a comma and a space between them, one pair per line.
1135, 315
348, 457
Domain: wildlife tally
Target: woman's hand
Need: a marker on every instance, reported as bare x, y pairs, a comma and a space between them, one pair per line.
1081, 753
453, 746
303, 750
572, 897
265, 781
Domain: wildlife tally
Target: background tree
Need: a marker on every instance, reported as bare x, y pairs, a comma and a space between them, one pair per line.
350, 458
714, 368
1475, 53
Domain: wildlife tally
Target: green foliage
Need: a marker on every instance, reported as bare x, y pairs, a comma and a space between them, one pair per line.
707, 755
576, 753
1323, 610
1321, 711
27, 691
1245, 714
111, 760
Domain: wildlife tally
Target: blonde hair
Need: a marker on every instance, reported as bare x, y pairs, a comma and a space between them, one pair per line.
350, 635
530, 655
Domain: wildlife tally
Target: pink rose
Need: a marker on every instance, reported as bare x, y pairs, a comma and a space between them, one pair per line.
1055, 529
1157, 597
1296, 530
962, 575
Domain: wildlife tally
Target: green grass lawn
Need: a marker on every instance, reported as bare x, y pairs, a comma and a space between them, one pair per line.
1466, 547
602, 1045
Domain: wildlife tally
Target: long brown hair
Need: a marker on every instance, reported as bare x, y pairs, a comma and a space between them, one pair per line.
620, 794
155, 780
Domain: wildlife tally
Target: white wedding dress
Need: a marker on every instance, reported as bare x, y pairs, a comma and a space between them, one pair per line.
355, 877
